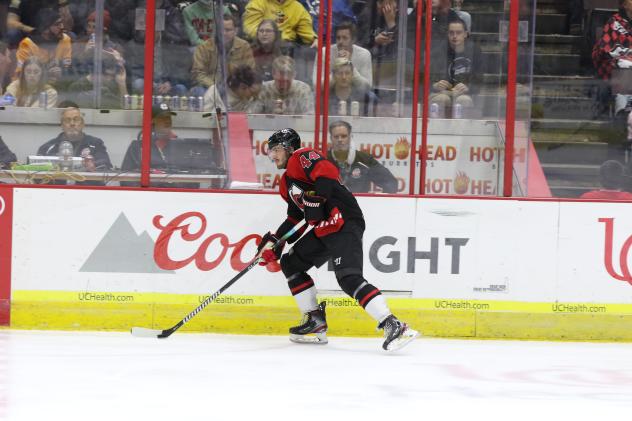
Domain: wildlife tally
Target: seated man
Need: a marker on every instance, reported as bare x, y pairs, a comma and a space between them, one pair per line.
284, 94
346, 89
242, 93
91, 148
345, 47
614, 49
206, 68
612, 179
357, 169
161, 135
455, 69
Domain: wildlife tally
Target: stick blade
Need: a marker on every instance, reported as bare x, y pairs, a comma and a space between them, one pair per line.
141, 332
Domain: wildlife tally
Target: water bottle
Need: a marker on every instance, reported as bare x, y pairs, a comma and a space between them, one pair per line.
66, 151
434, 110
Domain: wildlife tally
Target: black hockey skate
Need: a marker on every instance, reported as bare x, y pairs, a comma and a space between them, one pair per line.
396, 334
314, 322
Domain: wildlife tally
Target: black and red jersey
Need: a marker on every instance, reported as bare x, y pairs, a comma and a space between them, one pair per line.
308, 170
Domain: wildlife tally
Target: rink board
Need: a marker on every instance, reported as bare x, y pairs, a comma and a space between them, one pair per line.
109, 260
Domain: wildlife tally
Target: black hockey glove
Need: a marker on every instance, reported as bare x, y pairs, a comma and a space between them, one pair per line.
314, 208
266, 249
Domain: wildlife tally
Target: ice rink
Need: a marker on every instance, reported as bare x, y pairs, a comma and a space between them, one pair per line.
114, 376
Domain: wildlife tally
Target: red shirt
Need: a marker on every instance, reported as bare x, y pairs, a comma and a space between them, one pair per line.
607, 195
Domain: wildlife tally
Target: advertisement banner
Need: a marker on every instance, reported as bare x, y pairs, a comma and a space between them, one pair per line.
6, 223
457, 164
193, 243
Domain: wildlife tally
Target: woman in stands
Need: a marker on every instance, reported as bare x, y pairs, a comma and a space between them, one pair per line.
32, 84
266, 47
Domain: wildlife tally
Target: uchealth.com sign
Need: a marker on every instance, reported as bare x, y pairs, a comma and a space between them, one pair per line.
113, 242
456, 165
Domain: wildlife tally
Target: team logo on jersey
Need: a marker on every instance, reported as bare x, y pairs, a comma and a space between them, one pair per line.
296, 194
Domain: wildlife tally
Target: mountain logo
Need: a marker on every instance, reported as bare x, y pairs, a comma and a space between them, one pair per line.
122, 250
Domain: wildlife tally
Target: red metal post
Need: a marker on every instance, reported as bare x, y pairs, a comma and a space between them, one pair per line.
424, 122
413, 129
510, 111
326, 84
319, 68
150, 24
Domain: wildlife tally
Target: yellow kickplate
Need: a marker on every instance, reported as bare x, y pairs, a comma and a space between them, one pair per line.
89, 310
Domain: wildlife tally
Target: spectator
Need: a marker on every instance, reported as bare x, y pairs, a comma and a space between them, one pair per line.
32, 81
342, 12
293, 20
6, 156
113, 85
48, 43
614, 49
172, 59
266, 47
206, 62
346, 87
29, 9
378, 27
465, 16
16, 29
455, 69
199, 21
442, 15
358, 169
612, 179
83, 144
83, 47
123, 14
5, 65
242, 93
284, 94
345, 47
161, 135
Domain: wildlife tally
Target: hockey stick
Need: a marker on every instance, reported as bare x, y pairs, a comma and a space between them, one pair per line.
156, 333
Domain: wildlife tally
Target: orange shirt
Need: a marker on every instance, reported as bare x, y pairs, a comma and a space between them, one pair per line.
28, 48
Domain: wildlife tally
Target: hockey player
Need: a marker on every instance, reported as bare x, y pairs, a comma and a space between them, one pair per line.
312, 189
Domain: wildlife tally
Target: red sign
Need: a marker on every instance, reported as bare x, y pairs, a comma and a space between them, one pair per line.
6, 223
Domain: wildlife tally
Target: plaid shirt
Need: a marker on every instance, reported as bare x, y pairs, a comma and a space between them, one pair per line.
614, 44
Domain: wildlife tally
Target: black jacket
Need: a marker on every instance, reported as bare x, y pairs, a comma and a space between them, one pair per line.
96, 146
158, 161
466, 68
6, 156
364, 170
97, 150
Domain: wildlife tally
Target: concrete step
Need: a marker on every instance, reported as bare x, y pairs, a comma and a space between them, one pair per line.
553, 23
576, 156
547, 64
544, 43
549, 107
498, 6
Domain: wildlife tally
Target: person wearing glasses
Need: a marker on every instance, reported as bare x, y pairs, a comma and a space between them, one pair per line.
92, 149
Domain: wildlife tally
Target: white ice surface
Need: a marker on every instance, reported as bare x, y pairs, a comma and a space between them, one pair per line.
114, 376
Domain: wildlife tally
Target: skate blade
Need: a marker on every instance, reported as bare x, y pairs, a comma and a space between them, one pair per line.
407, 337
318, 338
